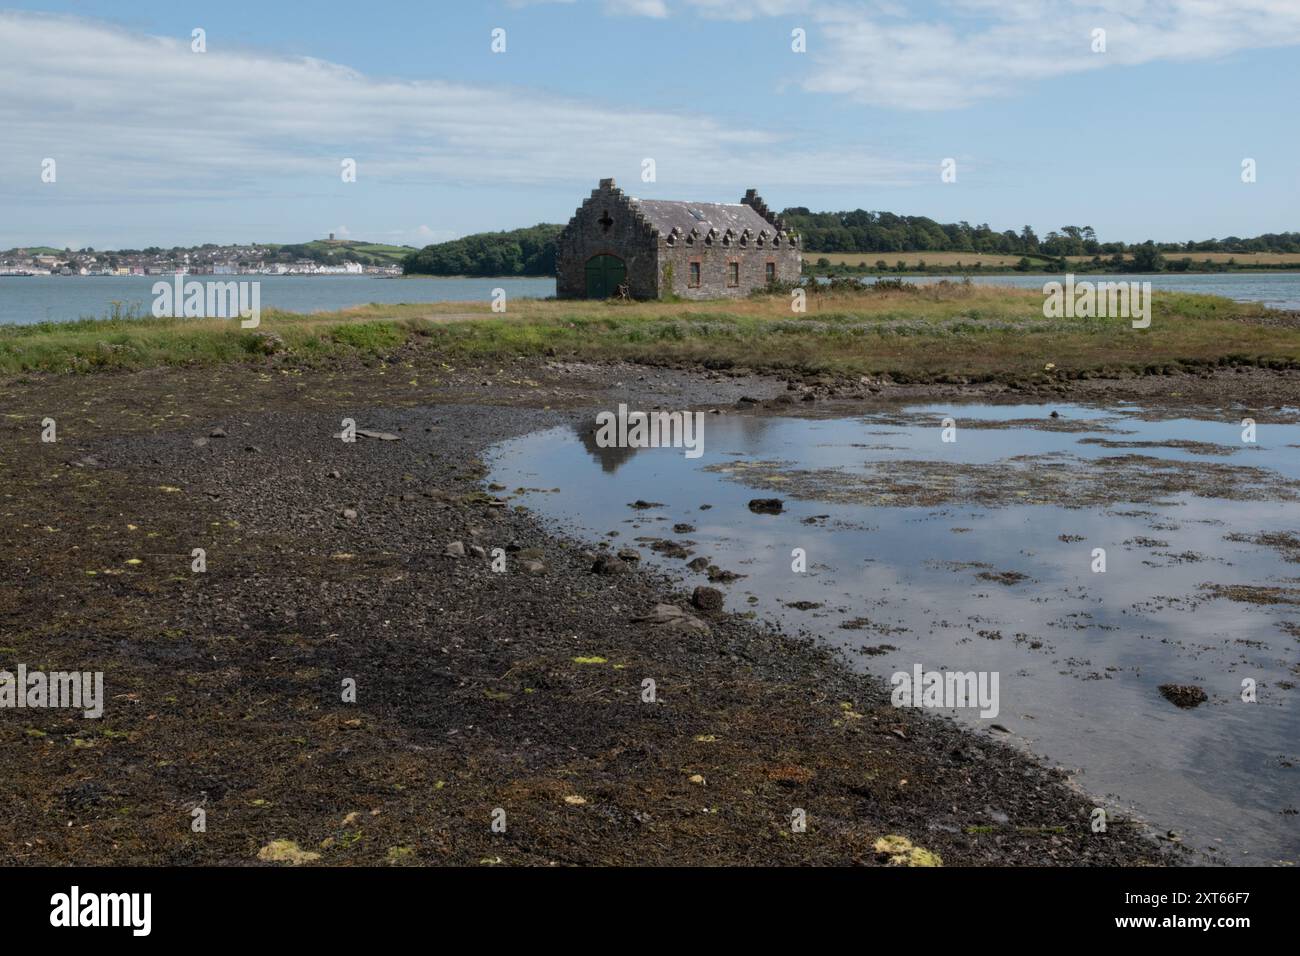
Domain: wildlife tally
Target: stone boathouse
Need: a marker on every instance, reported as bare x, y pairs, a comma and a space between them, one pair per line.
650, 248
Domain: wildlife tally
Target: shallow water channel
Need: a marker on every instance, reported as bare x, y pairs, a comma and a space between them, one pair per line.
978, 554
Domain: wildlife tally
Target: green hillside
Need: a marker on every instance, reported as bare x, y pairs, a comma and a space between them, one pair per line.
520, 252
336, 251
34, 251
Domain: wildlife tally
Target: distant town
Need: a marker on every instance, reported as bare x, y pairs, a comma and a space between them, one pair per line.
321, 257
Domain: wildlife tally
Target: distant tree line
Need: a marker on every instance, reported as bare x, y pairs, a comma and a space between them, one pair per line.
531, 251
520, 252
1140, 258
863, 231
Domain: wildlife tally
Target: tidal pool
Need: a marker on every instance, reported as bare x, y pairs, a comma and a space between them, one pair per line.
979, 554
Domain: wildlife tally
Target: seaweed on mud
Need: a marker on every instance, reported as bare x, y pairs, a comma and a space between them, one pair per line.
1287, 543
1195, 447
1253, 593
1063, 480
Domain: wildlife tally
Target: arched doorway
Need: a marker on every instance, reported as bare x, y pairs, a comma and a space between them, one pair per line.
605, 274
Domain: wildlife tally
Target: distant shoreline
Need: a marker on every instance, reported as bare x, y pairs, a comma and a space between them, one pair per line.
818, 271
962, 273
847, 272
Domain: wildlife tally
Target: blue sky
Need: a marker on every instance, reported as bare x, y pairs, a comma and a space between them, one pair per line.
156, 144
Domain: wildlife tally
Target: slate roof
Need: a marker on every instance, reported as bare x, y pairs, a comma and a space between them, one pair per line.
665, 214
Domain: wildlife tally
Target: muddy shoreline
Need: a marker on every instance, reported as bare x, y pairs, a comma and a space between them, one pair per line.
476, 691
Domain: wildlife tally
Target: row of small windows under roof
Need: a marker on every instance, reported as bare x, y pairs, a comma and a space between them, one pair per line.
726, 237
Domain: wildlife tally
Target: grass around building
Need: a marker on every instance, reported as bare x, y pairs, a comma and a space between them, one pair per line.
937, 263
940, 332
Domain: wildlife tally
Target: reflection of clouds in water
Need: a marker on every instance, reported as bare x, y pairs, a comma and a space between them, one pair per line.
1116, 727
1090, 691
1123, 735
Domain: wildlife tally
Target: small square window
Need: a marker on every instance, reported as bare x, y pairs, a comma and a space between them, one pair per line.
694, 282
733, 273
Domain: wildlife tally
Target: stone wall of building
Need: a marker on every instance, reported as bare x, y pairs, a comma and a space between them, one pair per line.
607, 223
715, 260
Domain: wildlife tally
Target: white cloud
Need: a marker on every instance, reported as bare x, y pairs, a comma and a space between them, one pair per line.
628, 8
637, 8
750, 10
128, 116
886, 53
989, 48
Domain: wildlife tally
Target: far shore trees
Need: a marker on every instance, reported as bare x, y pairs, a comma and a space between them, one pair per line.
520, 252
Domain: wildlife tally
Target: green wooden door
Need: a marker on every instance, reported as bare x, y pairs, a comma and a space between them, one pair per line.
604, 275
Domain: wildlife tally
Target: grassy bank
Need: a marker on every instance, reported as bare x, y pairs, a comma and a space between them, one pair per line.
977, 263
919, 261
914, 333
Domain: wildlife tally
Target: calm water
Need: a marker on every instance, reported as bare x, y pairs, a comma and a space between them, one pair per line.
1080, 654
30, 299
63, 298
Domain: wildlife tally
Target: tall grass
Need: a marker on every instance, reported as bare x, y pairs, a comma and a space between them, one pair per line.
918, 332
